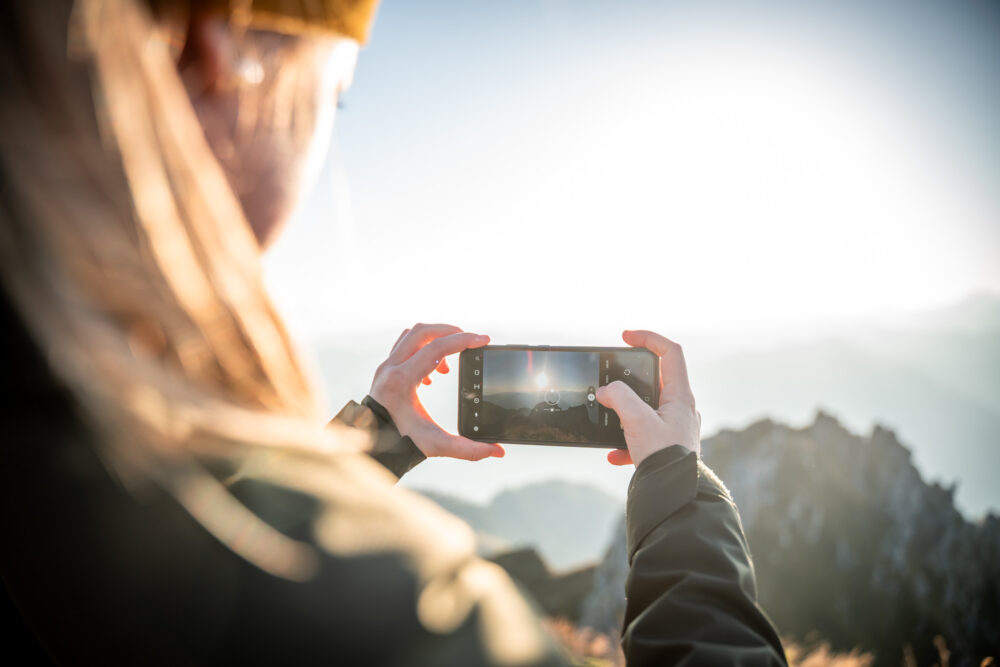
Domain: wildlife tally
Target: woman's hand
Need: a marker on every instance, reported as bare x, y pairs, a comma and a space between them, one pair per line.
417, 353
674, 422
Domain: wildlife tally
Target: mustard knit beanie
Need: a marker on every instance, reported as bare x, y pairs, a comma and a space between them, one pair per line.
351, 18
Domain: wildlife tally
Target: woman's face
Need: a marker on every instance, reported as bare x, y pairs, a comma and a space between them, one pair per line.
267, 103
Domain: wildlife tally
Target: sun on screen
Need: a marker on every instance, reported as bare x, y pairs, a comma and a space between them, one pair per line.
541, 380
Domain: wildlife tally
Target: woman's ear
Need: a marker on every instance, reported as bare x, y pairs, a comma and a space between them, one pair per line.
207, 61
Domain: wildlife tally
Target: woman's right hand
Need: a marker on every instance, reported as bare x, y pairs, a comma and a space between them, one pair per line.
674, 422
418, 352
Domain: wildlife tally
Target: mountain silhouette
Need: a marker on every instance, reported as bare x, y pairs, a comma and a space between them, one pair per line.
850, 543
567, 523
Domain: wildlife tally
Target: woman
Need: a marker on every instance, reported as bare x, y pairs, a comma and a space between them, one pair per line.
171, 491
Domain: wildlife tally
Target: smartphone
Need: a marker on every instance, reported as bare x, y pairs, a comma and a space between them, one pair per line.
544, 395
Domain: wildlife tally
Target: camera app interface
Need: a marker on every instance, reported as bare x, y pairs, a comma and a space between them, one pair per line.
550, 395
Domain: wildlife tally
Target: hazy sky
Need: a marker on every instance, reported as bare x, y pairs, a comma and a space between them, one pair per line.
573, 168
519, 371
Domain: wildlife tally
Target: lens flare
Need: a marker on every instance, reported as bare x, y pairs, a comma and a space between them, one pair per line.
541, 380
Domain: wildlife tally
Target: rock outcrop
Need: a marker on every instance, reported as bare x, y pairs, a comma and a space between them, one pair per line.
567, 522
559, 595
848, 543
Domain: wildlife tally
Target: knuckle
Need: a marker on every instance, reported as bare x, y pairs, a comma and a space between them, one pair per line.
394, 380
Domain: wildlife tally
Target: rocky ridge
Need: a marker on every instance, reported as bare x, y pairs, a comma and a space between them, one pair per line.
568, 523
850, 543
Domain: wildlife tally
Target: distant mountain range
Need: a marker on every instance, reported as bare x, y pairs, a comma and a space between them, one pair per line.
516, 400
569, 524
850, 543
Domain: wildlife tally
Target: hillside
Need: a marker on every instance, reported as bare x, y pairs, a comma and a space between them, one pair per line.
568, 523
559, 595
849, 542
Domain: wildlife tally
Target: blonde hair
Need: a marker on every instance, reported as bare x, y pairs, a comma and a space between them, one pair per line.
128, 257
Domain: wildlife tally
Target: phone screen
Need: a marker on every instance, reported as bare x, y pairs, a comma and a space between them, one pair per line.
548, 395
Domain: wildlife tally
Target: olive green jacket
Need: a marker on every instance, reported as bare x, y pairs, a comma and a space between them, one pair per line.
104, 574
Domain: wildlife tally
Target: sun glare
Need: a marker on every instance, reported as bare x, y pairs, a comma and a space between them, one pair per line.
541, 380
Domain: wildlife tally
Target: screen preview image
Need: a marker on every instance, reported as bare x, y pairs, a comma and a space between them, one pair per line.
544, 396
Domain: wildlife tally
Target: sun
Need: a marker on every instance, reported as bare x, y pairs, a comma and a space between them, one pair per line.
541, 380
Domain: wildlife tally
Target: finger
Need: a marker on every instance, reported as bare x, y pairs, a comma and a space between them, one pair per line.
674, 383
425, 380
471, 450
654, 342
443, 367
626, 403
429, 356
418, 336
398, 341
619, 457
455, 446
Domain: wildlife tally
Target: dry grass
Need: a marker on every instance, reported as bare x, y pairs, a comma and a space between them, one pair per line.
820, 655
594, 649
586, 647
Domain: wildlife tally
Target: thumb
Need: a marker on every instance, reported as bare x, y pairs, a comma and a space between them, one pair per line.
626, 403
471, 450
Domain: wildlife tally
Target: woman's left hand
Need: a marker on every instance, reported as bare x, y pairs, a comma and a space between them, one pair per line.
418, 352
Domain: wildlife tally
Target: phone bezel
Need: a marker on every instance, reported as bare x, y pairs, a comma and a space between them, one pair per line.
462, 362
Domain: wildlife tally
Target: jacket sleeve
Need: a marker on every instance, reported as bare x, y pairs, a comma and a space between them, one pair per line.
691, 592
397, 453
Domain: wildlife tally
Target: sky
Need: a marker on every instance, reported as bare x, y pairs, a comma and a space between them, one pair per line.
517, 370
552, 172
575, 168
